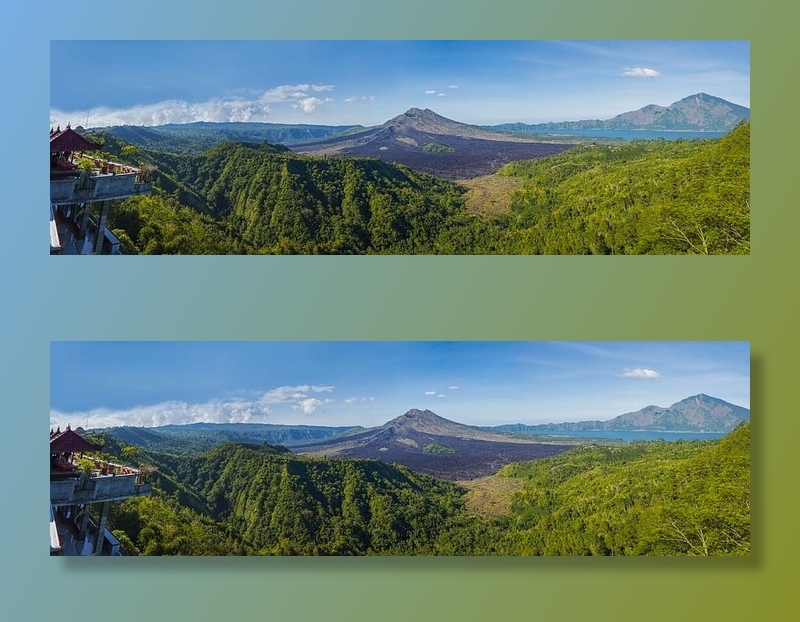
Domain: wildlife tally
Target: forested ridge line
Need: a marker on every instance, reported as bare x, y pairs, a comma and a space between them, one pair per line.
644, 197
642, 498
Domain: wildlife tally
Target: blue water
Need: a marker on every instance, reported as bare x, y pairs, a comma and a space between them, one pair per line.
638, 134
643, 436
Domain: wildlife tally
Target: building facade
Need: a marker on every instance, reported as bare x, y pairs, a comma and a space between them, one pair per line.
82, 488
82, 188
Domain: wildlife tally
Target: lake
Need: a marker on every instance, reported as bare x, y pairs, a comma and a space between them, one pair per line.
642, 436
638, 134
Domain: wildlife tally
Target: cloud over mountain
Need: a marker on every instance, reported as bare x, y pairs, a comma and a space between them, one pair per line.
217, 410
218, 110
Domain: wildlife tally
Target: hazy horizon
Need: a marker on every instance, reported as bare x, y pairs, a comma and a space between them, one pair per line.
106, 384
370, 82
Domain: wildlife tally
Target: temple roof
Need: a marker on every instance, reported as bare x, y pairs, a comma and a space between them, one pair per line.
70, 140
70, 441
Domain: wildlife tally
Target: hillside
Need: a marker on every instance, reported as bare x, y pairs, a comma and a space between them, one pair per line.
645, 197
279, 202
278, 504
643, 498
657, 498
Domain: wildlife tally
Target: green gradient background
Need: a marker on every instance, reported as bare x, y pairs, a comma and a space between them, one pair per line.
573, 298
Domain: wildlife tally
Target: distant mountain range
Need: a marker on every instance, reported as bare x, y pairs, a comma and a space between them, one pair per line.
415, 129
699, 413
428, 142
424, 441
699, 113
193, 137
199, 437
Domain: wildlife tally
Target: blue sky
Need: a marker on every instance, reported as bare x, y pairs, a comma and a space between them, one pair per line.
369, 82
367, 383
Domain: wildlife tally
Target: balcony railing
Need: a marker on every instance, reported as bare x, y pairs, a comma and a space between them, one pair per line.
97, 488
97, 188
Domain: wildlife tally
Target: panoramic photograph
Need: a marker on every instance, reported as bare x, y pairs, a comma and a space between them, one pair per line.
400, 147
400, 448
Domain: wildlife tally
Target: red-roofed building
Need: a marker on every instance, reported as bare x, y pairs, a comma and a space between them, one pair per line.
69, 141
81, 483
77, 188
70, 442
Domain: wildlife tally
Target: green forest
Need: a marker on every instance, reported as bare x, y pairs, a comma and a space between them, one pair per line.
642, 498
642, 197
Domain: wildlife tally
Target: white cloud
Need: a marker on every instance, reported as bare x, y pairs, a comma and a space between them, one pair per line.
218, 110
452, 388
440, 95
441, 395
309, 405
640, 72
292, 92
353, 400
430, 392
165, 413
350, 99
640, 373
430, 92
218, 410
452, 86
287, 394
281, 395
309, 104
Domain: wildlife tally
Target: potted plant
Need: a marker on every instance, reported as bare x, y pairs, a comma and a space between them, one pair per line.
85, 470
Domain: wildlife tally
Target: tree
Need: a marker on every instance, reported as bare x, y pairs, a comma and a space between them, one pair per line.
129, 152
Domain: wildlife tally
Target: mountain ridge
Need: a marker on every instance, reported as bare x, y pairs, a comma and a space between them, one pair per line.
696, 413
698, 112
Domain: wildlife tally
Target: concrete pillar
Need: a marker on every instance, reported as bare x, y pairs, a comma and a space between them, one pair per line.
84, 220
101, 528
84, 523
101, 225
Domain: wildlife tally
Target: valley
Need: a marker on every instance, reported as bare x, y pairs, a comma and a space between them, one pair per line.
424, 485
421, 183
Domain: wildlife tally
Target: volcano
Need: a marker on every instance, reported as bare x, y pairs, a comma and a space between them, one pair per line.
428, 142
425, 442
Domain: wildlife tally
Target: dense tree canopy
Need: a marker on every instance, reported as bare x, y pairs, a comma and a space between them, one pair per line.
643, 197
645, 498
656, 196
642, 498
277, 504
